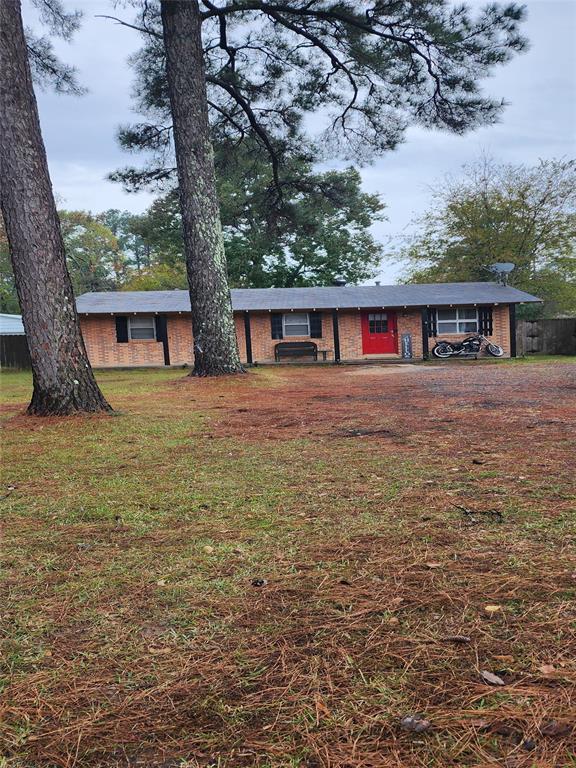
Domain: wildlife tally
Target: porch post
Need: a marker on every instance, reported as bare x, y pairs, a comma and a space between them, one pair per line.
336, 333
248, 335
425, 346
512, 314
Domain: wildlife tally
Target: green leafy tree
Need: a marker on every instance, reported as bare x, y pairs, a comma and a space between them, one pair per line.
160, 228
8, 295
158, 277
95, 260
501, 212
127, 228
322, 230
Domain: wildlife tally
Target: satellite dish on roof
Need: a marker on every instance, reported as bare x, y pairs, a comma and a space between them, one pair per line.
501, 269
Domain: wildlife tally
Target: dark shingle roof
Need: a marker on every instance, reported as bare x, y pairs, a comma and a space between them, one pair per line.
340, 297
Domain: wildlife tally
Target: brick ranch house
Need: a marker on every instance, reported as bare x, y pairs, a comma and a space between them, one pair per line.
347, 323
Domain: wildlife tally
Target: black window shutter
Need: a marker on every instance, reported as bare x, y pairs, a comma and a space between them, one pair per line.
432, 326
121, 329
161, 322
486, 324
315, 325
161, 328
276, 323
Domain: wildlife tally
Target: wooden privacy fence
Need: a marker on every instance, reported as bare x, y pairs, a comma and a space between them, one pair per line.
14, 351
546, 337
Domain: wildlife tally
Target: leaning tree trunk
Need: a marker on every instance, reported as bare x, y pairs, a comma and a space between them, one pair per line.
63, 379
215, 344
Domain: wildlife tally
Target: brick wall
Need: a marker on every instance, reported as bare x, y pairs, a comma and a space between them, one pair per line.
180, 339
410, 321
350, 323
500, 330
99, 333
263, 344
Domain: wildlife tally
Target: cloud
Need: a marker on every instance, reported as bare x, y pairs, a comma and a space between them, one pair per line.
83, 187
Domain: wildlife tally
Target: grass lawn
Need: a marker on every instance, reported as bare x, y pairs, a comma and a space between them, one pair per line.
272, 570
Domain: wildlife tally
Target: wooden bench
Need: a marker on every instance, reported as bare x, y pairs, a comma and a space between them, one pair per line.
295, 349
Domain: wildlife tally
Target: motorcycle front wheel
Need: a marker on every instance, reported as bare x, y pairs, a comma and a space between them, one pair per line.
495, 350
443, 351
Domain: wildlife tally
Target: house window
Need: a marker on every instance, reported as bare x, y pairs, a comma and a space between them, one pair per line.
457, 320
378, 322
296, 324
142, 328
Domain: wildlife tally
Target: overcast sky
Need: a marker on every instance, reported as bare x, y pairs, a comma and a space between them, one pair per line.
539, 122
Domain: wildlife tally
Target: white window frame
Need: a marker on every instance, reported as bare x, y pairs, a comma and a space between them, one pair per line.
141, 317
458, 320
291, 316
384, 317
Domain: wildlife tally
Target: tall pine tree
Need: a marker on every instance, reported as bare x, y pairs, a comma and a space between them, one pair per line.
215, 343
63, 379
257, 68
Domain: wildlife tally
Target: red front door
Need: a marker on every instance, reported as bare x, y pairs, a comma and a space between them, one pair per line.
379, 335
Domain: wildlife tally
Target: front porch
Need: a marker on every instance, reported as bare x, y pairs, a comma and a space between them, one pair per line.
330, 336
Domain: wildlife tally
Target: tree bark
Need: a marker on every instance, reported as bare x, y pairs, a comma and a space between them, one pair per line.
215, 343
63, 379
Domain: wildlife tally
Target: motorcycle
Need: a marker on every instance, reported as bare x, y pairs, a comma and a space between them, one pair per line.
471, 345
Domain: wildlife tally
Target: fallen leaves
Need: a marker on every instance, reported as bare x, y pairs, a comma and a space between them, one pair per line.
159, 651
491, 678
555, 728
547, 669
415, 723
492, 609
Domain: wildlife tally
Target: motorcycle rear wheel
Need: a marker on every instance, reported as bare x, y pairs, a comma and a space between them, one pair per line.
495, 350
443, 351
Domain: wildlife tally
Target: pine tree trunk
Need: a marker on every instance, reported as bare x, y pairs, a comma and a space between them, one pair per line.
63, 379
215, 344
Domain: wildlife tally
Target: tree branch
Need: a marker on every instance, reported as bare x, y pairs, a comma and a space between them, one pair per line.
123, 23
244, 104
